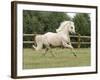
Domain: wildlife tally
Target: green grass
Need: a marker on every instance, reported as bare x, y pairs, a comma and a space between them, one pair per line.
63, 58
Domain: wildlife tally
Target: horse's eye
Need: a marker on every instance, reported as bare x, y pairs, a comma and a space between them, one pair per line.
71, 27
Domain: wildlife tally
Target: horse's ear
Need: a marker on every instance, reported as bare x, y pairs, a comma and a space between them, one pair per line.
57, 30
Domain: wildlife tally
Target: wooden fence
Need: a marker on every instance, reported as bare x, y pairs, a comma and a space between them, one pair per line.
78, 42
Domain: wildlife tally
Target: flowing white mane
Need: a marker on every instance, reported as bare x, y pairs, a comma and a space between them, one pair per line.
62, 25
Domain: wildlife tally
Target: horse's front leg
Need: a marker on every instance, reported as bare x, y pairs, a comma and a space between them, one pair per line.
68, 45
74, 53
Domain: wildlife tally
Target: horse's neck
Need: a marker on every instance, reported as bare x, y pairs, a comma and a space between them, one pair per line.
65, 35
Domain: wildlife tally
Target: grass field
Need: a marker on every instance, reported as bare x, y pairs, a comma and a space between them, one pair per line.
63, 58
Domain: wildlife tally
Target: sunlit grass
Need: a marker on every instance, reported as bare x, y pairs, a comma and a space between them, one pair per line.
62, 58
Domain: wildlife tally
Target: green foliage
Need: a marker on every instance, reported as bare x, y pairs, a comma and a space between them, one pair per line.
82, 23
41, 21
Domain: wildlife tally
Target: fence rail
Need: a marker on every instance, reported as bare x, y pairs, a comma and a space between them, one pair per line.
70, 35
31, 42
74, 36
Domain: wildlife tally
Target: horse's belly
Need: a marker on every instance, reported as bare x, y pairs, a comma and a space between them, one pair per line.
55, 44
54, 41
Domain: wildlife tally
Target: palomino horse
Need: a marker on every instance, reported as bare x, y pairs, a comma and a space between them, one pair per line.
60, 38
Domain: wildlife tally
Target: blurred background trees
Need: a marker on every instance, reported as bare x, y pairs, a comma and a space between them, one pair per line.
42, 22
82, 23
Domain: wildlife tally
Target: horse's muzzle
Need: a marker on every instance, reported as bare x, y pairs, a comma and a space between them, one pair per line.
73, 33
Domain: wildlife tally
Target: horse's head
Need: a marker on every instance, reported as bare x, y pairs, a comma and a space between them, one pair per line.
67, 26
71, 27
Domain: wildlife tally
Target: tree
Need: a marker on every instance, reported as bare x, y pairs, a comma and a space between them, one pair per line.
82, 23
42, 21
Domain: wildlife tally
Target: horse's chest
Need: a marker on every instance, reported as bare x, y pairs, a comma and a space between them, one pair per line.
66, 39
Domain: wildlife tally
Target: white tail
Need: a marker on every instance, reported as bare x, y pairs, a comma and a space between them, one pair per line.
34, 46
39, 43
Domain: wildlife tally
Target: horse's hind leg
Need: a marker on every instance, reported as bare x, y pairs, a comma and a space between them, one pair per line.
47, 47
52, 53
47, 50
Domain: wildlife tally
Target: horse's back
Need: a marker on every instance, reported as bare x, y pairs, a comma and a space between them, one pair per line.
53, 38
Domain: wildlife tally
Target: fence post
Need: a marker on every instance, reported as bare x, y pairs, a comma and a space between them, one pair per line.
79, 41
